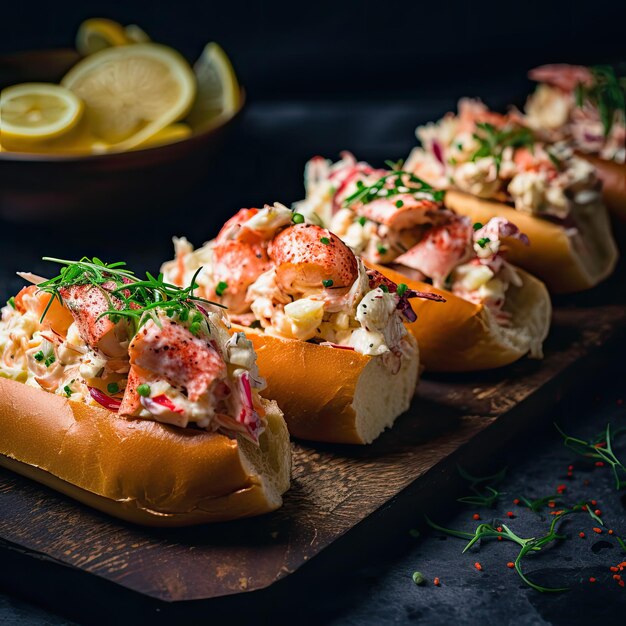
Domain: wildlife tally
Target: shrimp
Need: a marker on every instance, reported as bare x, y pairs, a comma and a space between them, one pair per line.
441, 249
565, 77
308, 256
172, 352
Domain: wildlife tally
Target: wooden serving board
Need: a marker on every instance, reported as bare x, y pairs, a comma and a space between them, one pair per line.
339, 493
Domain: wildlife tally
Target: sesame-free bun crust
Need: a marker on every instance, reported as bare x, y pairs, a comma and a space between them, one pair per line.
140, 470
613, 177
331, 394
460, 336
564, 263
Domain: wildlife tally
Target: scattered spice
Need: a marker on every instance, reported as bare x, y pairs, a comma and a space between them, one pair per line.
476, 516
437, 582
510, 565
478, 566
592, 580
581, 534
510, 514
597, 530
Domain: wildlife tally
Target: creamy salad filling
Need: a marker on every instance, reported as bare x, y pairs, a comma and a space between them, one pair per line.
393, 217
101, 342
309, 286
582, 106
492, 156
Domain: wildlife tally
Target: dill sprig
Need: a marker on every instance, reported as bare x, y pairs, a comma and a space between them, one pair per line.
537, 505
128, 296
492, 141
600, 449
395, 183
484, 494
607, 93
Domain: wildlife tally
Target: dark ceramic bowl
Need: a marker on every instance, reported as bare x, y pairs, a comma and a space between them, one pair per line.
46, 187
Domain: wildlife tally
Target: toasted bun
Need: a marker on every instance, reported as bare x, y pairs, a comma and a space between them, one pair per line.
563, 264
331, 394
139, 470
613, 177
460, 336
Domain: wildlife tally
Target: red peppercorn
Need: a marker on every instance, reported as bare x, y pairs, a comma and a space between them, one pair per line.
499, 538
599, 463
436, 582
613, 568
561, 488
551, 504
593, 502
610, 531
586, 482
510, 514
478, 566
516, 501
581, 534
621, 583
597, 530
476, 516
617, 577
570, 468
598, 512
592, 580
499, 529
510, 564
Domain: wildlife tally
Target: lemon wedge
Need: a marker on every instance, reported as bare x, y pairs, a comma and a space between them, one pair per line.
99, 33
218, 88
136, 34
32, 112
132, 92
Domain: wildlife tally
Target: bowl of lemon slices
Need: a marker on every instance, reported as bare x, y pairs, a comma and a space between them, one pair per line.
120, 122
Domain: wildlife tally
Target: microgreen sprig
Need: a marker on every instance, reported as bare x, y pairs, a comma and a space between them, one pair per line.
607, 92
392, 184
128, 296
492, 141
600, 450
484, 494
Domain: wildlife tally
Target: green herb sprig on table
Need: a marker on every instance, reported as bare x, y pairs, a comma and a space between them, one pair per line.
493, 141
484, 494
600, 450
393, 184
607, 93
129, 297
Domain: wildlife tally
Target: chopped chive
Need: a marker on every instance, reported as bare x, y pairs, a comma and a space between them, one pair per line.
50, 360
384, 288
297, 218
11, 301
477, 225
362, 221
221, 288
143, 390
399, 204
325, 240
327, 283
113, 388
256, 324
483, 241
183, 316
39, 356
68, 391
381, 249
402, 288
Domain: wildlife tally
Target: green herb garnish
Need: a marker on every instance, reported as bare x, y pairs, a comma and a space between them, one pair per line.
492, 141
483, 241
402, 289
68, 391
393, 184
477, 226
484, 493
327, 283
599, 450
381, 249
113, 388
39, 356
221, 288
394, 165
362, 221
297, 218
607, 93
135, 300
143, 390
325, 240
11, 301
384, 288
399, 204
50, 360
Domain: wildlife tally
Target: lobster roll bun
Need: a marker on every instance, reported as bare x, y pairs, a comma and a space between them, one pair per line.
466, 336
494, 314
329, 333
566, 261
495, 166
130, 397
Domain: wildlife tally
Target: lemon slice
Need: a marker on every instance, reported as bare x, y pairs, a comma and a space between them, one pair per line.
132, 92
169, 134
218, 88
99, 33
37, 111
136, 34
